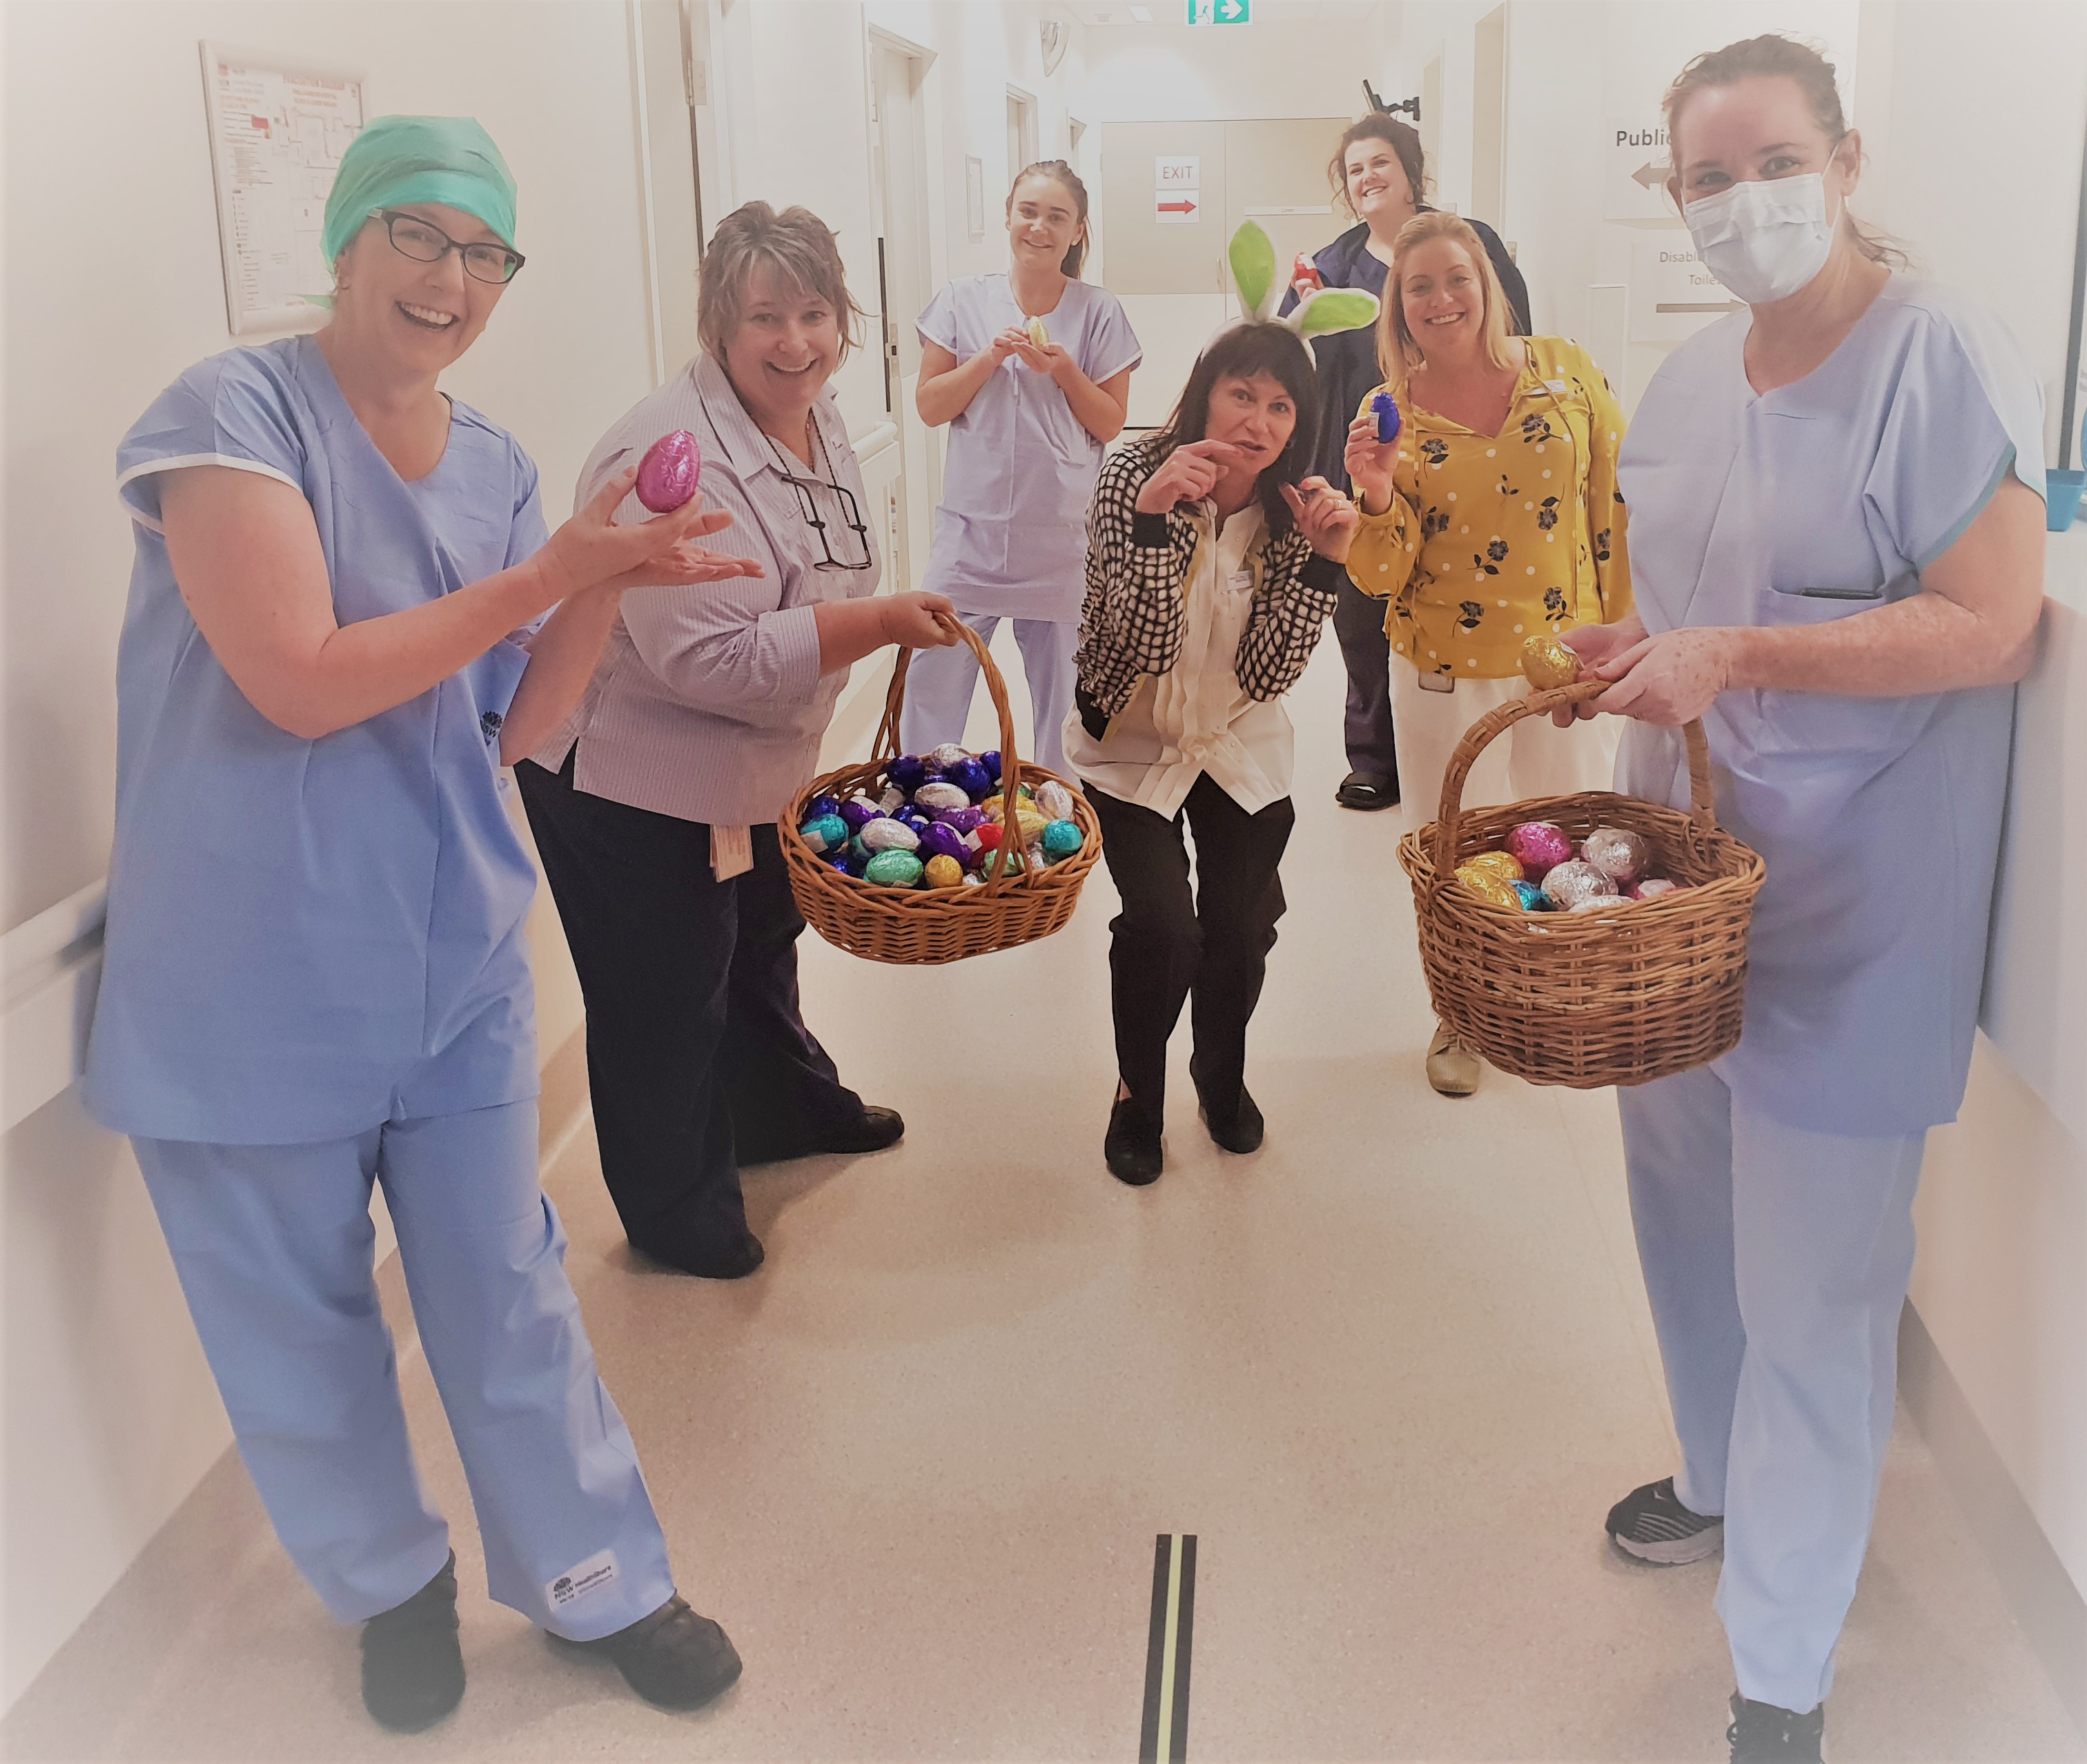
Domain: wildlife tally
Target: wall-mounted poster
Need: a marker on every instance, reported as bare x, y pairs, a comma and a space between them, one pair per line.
277, 132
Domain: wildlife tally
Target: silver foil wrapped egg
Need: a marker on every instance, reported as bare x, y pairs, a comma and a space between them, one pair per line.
937, 795
1618, 853
1569, 883
887, 835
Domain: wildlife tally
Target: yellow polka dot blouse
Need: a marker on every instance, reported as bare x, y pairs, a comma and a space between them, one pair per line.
1490, 538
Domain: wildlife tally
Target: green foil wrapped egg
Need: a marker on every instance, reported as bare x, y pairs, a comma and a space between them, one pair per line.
894, 869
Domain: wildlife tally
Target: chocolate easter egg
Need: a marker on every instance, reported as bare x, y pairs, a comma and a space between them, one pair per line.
859, 811
1054, 800
827, 833
1504, 864
1061, 838
1652, 888
940, 840
908, 772
1038, 337
894, 869
1546, 662
1539, 845
1618, 853
1385, 407
1488, 886
669, 472
888, 835
990, 759
1533, 898
1599, 903
963, 820
944, 872
970, 776
941, 758
819, 806
1574, 880
939, 793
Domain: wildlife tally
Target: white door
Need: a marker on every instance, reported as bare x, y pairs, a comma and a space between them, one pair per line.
898, 164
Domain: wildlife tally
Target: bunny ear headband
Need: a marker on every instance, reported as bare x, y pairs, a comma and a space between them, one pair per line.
1252, 255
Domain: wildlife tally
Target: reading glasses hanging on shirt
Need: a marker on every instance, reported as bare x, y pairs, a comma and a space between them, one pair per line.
808, 507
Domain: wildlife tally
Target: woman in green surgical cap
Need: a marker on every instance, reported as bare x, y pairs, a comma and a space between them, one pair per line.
345, 616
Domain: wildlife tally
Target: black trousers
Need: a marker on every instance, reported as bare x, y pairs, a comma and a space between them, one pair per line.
698, 1058
1358, 624
1169, 942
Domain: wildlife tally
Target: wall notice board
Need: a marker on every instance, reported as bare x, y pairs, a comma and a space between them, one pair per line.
277, 132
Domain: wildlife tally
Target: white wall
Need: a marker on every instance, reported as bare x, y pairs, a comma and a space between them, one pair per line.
110, 1417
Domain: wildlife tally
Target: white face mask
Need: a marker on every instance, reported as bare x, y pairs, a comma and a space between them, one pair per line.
1766, 239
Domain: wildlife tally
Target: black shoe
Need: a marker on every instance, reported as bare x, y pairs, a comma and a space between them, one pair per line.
1761, 1733
878, 1129
1651, 1524
1367, 790
734, 1262
412, 1668
1237, 1128
673, 1658
1132, 1146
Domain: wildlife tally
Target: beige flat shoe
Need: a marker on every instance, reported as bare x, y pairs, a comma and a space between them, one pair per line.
1451, 1069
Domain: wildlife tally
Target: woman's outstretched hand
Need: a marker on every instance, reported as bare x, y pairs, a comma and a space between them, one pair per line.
592, 551
1324, 517
1369, 462
1189, 474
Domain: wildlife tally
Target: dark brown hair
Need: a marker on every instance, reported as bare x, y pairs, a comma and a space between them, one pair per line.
1259, 346
799, 247
1774, 57
1060, 173
1402, 138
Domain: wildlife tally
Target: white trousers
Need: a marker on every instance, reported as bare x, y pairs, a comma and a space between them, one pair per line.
1777, 1260
1533, 758
940, 684
273, 1246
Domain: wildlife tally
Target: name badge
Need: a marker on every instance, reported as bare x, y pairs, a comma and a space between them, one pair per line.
1240, 581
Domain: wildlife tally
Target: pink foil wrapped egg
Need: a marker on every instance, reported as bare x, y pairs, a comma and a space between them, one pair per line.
1618, 853
1540, 846
1574, 880
669, 472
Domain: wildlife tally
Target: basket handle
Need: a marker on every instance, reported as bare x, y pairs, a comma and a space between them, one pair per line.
1702, 793
886, 746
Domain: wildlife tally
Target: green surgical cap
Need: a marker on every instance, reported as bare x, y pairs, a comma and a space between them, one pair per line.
400, 160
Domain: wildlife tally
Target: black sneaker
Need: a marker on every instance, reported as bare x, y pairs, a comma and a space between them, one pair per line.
412, 1668
1132, 1146
1652, 1525
673, 1658
1761, 1733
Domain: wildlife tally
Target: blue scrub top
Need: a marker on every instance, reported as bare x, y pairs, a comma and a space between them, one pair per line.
1011, 533
309, 938
1879, 819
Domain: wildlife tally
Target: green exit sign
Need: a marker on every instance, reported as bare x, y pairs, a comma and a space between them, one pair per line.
1221, 11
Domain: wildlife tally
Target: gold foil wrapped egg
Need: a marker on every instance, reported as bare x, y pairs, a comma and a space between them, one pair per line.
1546, 663
1488, 886
944, 872
1504, 864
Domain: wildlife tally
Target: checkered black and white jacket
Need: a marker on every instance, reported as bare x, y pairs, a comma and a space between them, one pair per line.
1131, 624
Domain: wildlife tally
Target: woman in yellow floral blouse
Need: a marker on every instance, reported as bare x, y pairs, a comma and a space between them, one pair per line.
1492, 516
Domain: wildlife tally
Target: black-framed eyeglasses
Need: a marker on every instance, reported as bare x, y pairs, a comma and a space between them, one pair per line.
424, 242
808, 508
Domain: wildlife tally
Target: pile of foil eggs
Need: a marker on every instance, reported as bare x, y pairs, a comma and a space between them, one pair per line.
936, 820
1542, 868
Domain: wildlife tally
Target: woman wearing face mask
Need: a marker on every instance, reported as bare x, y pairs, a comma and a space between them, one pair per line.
1838, 540
655, 803
1378, 173
1027, 425
1210, 574
1491, 518
344, 617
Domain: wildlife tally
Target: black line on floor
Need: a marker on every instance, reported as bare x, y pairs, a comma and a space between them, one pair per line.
1163, 1733
1155, 1652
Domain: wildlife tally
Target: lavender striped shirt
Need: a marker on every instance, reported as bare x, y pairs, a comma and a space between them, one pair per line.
708, 703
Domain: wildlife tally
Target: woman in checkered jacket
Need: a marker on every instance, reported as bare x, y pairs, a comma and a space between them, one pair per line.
1210, 574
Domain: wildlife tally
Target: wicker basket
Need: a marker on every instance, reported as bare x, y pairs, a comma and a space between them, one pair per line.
1585, 1000
921, 927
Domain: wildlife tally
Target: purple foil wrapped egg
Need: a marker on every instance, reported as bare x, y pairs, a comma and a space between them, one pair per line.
1653, 887
819, 805
669, 472
940, 840
1540, 846
908, 772
1575, 880
990, 759
1385, 407
970, 776
859, 811
1618, 853
914, 820
964, 820
938, 794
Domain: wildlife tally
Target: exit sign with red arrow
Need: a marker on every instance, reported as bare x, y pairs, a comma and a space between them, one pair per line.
1167, 207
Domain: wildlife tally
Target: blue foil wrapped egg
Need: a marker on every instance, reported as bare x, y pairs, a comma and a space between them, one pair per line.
894, 869
888, 835
824, 833
908, 772
970, 776
1061, 839
990, 759
940, 793
1534, 900
822, 805
940, 840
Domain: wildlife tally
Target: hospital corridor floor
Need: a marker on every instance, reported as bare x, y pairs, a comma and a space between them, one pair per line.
1389, 1373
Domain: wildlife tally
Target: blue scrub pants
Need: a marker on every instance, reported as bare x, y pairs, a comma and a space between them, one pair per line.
273, 1245
1777, 1261
940, 684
